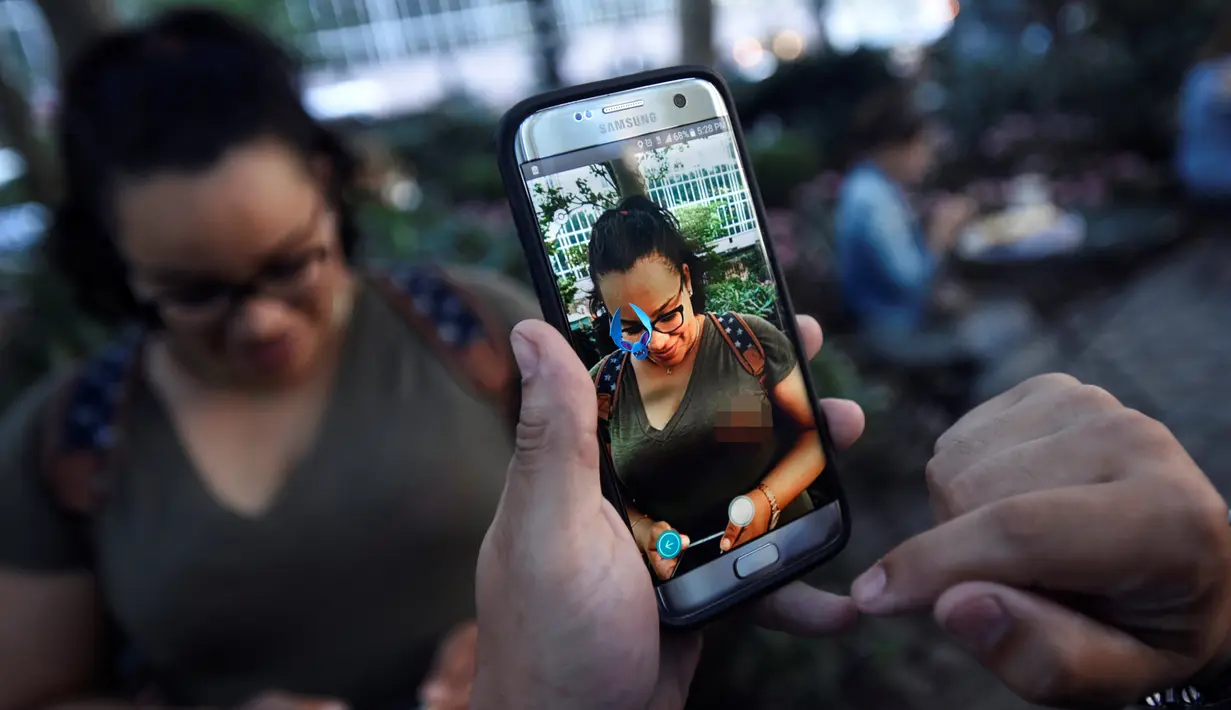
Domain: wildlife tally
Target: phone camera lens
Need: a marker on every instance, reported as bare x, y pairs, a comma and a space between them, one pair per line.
577, 116
680, 101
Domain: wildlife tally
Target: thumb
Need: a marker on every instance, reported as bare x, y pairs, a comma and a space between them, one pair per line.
555, 458
1049, 654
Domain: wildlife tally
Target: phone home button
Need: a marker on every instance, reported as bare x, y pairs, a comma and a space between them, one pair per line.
755, 561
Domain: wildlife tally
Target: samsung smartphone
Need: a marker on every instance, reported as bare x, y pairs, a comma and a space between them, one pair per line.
646, 240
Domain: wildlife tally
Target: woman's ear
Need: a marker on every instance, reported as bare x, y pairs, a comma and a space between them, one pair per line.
687, 274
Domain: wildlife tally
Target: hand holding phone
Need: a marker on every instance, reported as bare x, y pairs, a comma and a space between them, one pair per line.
565, 616
645, 236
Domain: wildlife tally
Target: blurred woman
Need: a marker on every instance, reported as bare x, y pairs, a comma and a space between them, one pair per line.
303, 483
716, 406
1204, 151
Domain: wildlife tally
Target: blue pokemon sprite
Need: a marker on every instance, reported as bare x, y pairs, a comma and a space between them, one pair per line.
639, 349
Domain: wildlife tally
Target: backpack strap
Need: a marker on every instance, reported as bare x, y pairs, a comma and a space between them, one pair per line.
607, 382
743, 342
463, 331
82, 434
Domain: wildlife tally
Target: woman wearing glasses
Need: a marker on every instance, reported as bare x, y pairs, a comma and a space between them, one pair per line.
304, 486
690, 426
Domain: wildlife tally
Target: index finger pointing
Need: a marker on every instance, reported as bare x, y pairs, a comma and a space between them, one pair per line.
1036, 540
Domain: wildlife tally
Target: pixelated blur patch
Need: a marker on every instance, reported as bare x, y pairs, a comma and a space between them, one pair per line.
744, 419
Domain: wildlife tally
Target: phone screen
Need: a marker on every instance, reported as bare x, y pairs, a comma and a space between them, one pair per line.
661, 265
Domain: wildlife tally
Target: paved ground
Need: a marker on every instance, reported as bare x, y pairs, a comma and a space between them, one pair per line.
1164, 347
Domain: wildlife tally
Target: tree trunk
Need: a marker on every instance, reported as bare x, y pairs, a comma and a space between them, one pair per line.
697, 32
628, 179
546, 25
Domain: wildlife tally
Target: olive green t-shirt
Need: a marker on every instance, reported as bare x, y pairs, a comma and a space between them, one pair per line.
345, 584
723, 439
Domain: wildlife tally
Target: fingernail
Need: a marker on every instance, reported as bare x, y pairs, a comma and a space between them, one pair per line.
868, 591
433, 693
526, 354
979, 624
725, 544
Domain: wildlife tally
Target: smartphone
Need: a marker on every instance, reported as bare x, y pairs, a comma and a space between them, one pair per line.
647, 246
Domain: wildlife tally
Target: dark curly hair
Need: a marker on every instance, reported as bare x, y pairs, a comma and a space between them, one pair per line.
1218, 44
172, 95
888, 117
637, 228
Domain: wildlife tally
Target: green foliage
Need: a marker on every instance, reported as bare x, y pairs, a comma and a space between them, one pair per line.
43, 337
701, 224
784, 164
438, 233
746, 297
557, 204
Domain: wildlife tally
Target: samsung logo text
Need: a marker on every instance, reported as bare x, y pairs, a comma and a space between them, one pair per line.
620, 124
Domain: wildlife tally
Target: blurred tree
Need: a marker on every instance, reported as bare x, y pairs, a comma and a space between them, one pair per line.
1119, 63
546, 25
73, 24
697, 31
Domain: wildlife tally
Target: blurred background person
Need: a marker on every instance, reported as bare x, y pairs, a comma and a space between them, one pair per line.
1203, 156
304, 482
891, 257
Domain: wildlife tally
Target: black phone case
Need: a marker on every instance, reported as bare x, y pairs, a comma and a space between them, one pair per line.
553, 310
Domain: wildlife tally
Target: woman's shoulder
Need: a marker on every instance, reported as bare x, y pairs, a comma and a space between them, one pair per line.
770, 336
864, 185
602, 361
23, 420
499, 296
758, 324
511, 299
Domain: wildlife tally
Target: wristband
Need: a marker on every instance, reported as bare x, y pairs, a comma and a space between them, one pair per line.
773, 505
1189, 696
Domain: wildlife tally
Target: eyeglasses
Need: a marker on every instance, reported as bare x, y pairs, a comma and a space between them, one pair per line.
667, 323
286, 278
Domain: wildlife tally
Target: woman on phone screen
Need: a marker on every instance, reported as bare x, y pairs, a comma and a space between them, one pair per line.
715, 408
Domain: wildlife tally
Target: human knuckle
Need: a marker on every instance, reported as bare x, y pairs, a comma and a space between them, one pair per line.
1018, 522
963, 494
534, 427
1127, 434
1091, 398
941, 488
1049, 382
1204, 514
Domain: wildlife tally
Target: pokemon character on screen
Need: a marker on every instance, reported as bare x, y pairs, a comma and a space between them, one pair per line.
707, 415
639, 349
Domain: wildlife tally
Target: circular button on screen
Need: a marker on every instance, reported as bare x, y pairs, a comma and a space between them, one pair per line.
669, 544
741, 511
